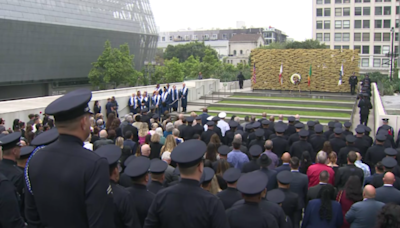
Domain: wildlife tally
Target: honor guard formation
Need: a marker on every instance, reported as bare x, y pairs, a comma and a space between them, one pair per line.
77, 168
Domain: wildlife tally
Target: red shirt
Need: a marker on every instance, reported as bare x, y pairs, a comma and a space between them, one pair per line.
314, 171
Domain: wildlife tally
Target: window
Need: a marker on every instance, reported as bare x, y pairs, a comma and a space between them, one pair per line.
397, 23
357, 1
365, 1
396, 36
338, 24
319, 24
385, 63
377, 50
336, 47
396, 49
163, 38
378, 0
357, 47
378, 37
327, 1
346, 11
319, 12
365, 62
387, 10
397, 10
366, 11
357, 36
390, 0
338, 11
327, 36
338, 1
234, 52
345, 47
378, 23
327, 12
357, 24
357, 11
385, 49
365, 23
346, 1
171, 38
365, 49
386, 23
319, 1
319, 36
346, 24
338, 36
377, 62
214, 36
224, 36
378, 10
365, 37
194, 37
386, 36
327, 24
241, 52
346, 36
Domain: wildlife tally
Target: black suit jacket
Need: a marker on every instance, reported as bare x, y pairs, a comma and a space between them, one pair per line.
388, 194
206, 136
132, 129
337, 144
299, 185
281, 146
345, 172
291, 203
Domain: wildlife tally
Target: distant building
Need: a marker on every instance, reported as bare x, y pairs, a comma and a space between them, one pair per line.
240, 47
218, 38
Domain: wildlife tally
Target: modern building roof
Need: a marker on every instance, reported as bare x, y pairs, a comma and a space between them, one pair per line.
245, 38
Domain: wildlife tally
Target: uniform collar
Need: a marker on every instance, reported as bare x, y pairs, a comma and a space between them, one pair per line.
8, 161
139, 186
156, 182
70, 138
388, 185
190, 182
254, 204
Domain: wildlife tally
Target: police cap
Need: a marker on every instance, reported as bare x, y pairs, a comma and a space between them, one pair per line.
256, 124
158, 166
231, 175
240, 132
380, 137
255, 150
70, 106
367, 129
45, 138
303, 133
350, 138
264, 160
265, 122
210, 123
26, 151
285, 177
391, 152
338, 131
338, 125
233, 124
291, 119
385, 120
276, 196
389, 162
216, 118
319, 128
299, 125
10, 141
259, 132
137, 167
144, 110
331, 124
198, 117
190, 119
224, 150
111, 152
279, 128
360, 130
310, 123
129, 159
347, 124
252, 183
249, 126
189, 153
156, 116
208, 174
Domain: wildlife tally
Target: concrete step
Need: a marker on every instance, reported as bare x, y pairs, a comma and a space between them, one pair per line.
333, 96
270, 107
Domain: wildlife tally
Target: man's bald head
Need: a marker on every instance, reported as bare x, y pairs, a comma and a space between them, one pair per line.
297, 116
264, 114
281, 117
145, 150
272, 118
238, 137
388, 178
268, 145
103, 134
369, 192
286, 157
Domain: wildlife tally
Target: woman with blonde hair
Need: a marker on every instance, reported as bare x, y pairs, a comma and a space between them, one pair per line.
194, 115
159, 131
169, 145
153, 128
143, 132
119, 142
155, 146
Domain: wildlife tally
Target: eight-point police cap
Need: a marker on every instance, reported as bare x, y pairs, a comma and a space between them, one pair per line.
137, 167
350, 138
303, 133
276, 196
391, 152
310, 123
26, 151
285, 177
255, 150
381, 137
256, 124
10, 141
158, 166
189, 153
231, 175
347, 124
224, 150
389, 162
338, 131
319, 128
111, 152
299, 125
45, 138
252, 183
208, 174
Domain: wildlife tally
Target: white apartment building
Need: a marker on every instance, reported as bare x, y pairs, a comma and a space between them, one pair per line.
359, 24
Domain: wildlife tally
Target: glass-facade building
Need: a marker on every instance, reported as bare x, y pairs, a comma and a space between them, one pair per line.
47, 46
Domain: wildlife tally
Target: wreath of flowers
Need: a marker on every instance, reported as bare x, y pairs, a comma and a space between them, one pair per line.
295, 75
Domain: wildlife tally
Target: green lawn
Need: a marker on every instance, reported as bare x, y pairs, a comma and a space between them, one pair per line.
284, 104
290, 98
285, 112
258, 117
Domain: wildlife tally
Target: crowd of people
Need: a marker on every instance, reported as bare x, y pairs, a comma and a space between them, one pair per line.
76, 168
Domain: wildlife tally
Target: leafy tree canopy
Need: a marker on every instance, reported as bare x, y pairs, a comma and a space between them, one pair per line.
307, 44
184, 51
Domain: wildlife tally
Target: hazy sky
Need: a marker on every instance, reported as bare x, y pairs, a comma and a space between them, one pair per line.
294, 17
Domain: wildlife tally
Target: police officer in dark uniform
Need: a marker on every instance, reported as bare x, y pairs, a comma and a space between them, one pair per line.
252, 135
249, 214
389, 163
252, 165
365, 105
337, 142
188, 132
276, 197
290, 127
361, 144
281, 144
331, 126
347, 126
247, 130
206, 178
230, 195
295, 137
337, 125
264, 161
8, 166
347, 170
259, 140
124, 180
266, 128
206, 136
185, 202
390, 152
138, 170
318, 139
157, 169
125, 214
240, 78
342, 154
67, 185
10, 215
223, 151
367, 137
198, 128
302, 145
229, 135
291, 204
216, 129
311, 124
353, 80
26, 152
376, 152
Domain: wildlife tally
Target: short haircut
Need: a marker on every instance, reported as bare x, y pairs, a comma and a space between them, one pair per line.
379, 166
169, 127
196, 136
268, 144
294, 162
322, 157
175, 132
129, 118
236, 144
138, 118
246, 118
324, 176
352, 156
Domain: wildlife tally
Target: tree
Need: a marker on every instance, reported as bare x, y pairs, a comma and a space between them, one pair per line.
114, 66
184, 51
191, 67
173, 70
209, 64
307, 44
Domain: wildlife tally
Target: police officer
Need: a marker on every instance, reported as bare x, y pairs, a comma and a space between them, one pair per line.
389, 163
266, 128
188, 132
390, 152
67, 185
229, 135
331, 126
337, 142
386, 126
366, 80
318, 139
253, 165
198, 128
311, 124
249, 214
138, 170
217, 129
223, 151
8, 166
360, 141
186, 197
240, 78
295, 137
342, 154
276, 197
26, 151
125, 214
347, 126
364, 105
376, 152
291, 204
259, 140
367, 137
10, 215
302, 145
206, 136
230, 195
291, 128
281, 144
206, 178
353, 80
157, 169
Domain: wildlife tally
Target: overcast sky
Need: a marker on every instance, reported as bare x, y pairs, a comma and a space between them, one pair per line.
294, 17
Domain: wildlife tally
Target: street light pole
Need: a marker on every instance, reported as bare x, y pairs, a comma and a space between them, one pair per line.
392, 54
